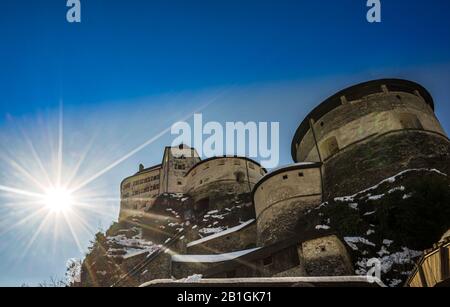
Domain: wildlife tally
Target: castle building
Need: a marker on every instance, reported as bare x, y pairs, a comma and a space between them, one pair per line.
378, 128
282, 196
182, 171
350, 142
139, 192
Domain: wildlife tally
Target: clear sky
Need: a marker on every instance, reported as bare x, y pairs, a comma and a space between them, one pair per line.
133, 67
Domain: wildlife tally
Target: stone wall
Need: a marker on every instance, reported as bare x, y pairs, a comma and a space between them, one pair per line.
372, 115
326, 256
139, 192
244, 238
283, 197
177, 161
362, 166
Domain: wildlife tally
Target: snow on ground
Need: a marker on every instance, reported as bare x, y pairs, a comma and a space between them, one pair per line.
191, 279
369, 213
406, 256
387, 180
73, 273
131, 246
324, 227
352, 241
212, 258
220, 234
369, 232
211, 230
353, 206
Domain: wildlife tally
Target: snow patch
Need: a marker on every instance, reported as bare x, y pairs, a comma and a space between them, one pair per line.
220, 234
212, 258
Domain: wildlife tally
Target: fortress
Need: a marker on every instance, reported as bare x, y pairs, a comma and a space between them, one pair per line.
352, 141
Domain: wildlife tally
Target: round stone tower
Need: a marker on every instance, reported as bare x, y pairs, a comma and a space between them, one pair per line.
283, 197
372, 131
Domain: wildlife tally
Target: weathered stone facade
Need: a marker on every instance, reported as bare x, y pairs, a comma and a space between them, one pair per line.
282, 197
373, 129
352, 141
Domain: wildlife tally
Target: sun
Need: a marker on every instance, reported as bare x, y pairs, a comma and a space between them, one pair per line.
58, 199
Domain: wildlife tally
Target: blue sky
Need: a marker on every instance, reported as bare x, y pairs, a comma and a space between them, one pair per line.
142, 64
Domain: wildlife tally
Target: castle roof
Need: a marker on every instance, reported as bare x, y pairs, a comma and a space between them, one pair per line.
354, 93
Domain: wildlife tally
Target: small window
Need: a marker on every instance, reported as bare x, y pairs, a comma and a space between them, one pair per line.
240, 177
267, 261
301, 174
322, 124
179, 182
285, 177
201, 181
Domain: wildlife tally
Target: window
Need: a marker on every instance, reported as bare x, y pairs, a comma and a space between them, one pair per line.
240, 177
285, 177
179, 182
301, 174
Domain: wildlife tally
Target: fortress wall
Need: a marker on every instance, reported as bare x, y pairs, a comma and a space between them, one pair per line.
139, 191
242, 239
215, 179
370, 132
282, 198
177, 161
357, 120
359, 167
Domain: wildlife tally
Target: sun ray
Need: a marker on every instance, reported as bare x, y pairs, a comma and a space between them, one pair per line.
80, 162
24, 172
23, 221
139, 148
60, 144
36, 234
36, 156
20, 192
72, 231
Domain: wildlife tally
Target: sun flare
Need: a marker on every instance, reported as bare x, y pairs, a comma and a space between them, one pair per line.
58, 199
